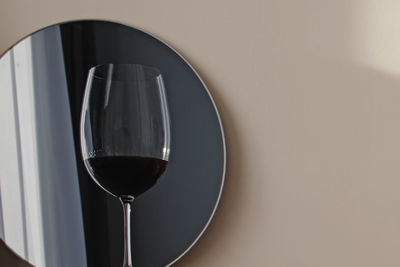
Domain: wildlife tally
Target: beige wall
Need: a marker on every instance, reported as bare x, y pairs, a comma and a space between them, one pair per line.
309, 93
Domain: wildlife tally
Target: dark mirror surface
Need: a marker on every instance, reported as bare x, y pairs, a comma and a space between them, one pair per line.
51, 212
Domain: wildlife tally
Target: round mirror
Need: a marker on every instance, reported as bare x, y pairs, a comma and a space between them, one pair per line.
51, 212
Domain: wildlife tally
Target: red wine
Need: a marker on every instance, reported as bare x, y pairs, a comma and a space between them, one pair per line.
126, 175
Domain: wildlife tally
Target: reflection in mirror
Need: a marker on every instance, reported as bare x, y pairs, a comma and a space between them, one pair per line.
40, 203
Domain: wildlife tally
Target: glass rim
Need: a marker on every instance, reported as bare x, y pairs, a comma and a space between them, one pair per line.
155, 73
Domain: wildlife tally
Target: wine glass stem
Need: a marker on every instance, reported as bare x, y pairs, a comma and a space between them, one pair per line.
127, 204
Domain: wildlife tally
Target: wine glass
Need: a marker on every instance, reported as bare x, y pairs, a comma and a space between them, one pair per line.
125, 133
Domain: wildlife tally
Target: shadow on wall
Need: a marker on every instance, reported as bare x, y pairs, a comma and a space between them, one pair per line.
329, 126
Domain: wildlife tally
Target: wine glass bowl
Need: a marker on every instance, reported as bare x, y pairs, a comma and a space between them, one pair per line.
125, 132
